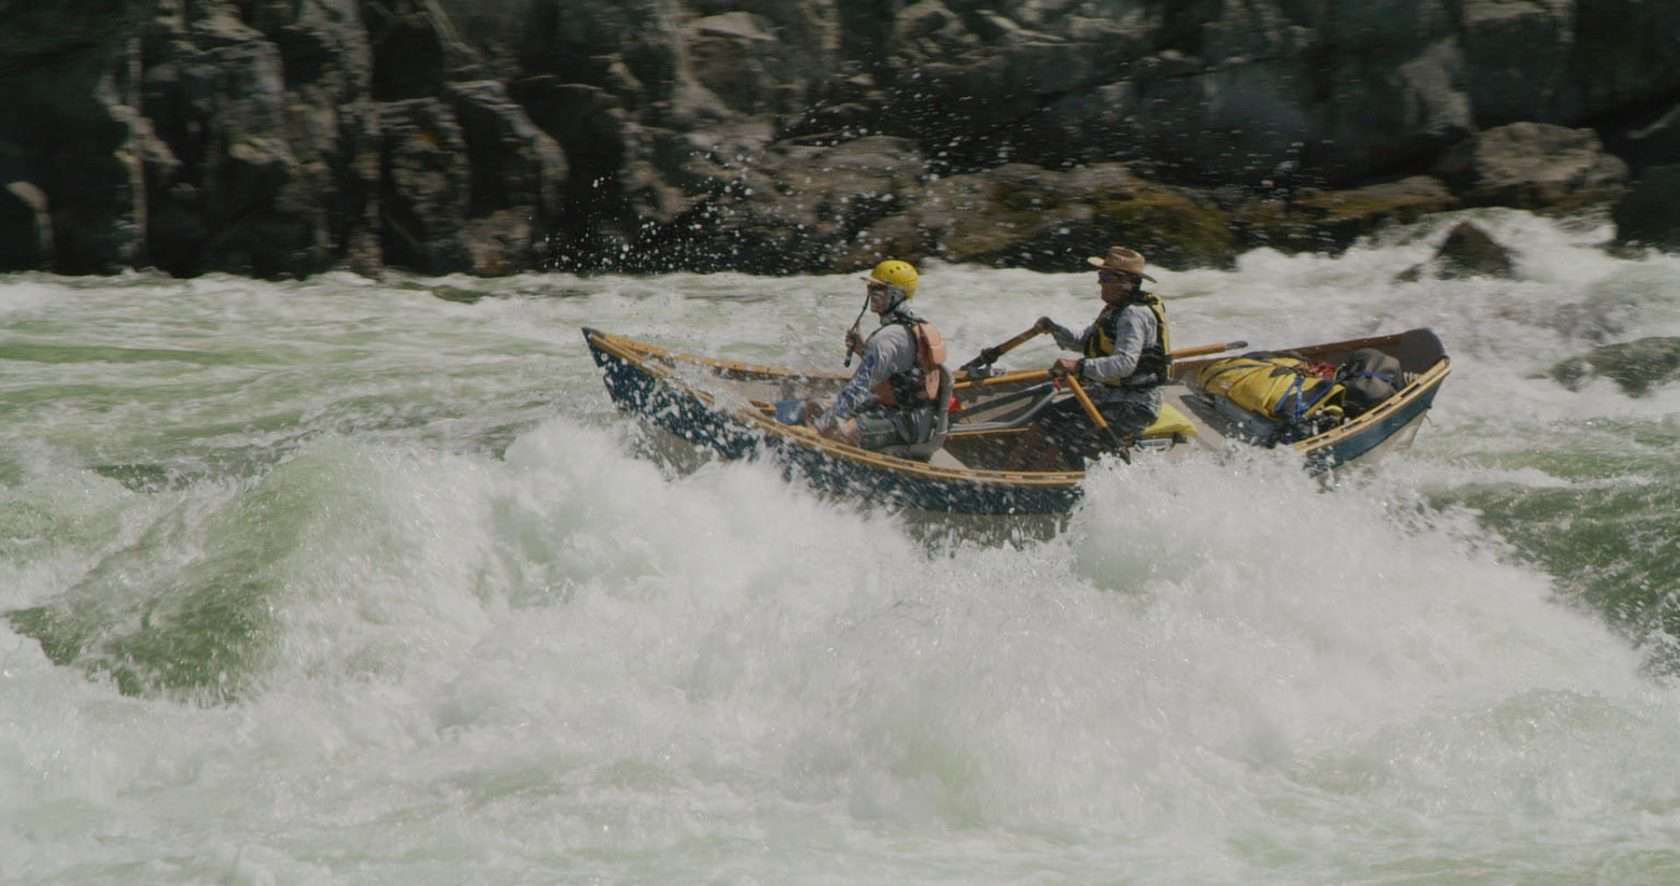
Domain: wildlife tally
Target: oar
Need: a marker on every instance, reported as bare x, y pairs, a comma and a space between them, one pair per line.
855, 323
1041, 374
1200, 350
1097, 418
988, 356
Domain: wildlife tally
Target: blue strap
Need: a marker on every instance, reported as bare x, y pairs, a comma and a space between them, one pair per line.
1302, 404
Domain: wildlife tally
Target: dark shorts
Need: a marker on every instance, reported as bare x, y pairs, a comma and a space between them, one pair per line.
880, 428
1067, 425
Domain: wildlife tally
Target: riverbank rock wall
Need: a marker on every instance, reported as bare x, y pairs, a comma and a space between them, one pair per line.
287, 137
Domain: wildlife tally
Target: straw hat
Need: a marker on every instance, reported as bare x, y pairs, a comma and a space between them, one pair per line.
1119, 258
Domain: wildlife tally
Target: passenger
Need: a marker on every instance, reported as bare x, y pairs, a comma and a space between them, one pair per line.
895, 402
1124, 365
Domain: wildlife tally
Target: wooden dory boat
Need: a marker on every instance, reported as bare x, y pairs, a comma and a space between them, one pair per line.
729, 407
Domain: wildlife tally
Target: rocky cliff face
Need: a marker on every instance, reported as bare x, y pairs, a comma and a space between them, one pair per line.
283, 137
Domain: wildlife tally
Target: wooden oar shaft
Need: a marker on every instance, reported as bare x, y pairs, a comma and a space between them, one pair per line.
1017, 341
1006, 378
1098, 420
1085, 401
1042, 374
1214, 348
1000, 350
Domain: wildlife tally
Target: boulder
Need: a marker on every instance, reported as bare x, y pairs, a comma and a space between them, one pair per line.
1468, 251
244, 135
1534, 166
1635, 366
1022, 215
1330, 221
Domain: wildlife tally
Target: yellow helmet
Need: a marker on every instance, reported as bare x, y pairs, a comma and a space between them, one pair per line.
897, 273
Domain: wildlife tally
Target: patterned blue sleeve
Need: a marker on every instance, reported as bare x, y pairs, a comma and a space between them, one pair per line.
856, 394
887, 351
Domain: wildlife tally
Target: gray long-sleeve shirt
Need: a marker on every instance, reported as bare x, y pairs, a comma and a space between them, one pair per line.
892, 349
1137, 330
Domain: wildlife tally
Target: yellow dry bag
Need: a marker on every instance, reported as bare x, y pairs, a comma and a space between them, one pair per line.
1279, 388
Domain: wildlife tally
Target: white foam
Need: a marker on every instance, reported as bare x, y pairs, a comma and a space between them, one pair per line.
555, 657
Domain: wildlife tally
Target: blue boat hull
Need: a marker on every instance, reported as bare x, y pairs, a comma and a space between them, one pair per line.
640, 379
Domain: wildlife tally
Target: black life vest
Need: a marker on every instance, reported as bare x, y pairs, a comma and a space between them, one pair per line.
1154, 362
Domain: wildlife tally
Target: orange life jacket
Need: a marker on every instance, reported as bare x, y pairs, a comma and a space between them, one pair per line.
920, 384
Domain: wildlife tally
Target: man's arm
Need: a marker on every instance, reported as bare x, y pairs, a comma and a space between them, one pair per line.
1065, 337
879, 358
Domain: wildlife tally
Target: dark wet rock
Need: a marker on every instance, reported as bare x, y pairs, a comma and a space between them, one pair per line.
1518, 59
25, 228
1647, 138
631, 48
266, 159
517, 173
1332, 220
1625, 56
737, 57
244, 135
794, 208
332, 121
1027, 216
229, 193
616, 192
1650, 213
70, 119
411, 48
1534, 166
1468, 251
1401, 111
1635, 366
1178, 228
424, 187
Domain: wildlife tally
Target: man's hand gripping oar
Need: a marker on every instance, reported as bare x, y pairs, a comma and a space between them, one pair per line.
1120, 446
853, 343
1032, 375
981, 365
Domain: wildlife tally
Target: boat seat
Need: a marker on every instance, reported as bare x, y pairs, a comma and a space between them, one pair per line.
1170, 423
942, 458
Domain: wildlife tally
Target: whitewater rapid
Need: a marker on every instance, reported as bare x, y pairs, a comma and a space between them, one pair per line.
344, 582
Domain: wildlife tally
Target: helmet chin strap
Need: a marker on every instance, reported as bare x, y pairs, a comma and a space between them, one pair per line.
898, 300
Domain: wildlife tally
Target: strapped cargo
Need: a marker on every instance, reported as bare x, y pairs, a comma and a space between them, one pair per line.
1277, 398
1369, 377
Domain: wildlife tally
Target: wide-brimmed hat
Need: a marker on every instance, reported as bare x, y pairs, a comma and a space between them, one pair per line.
1119, 258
